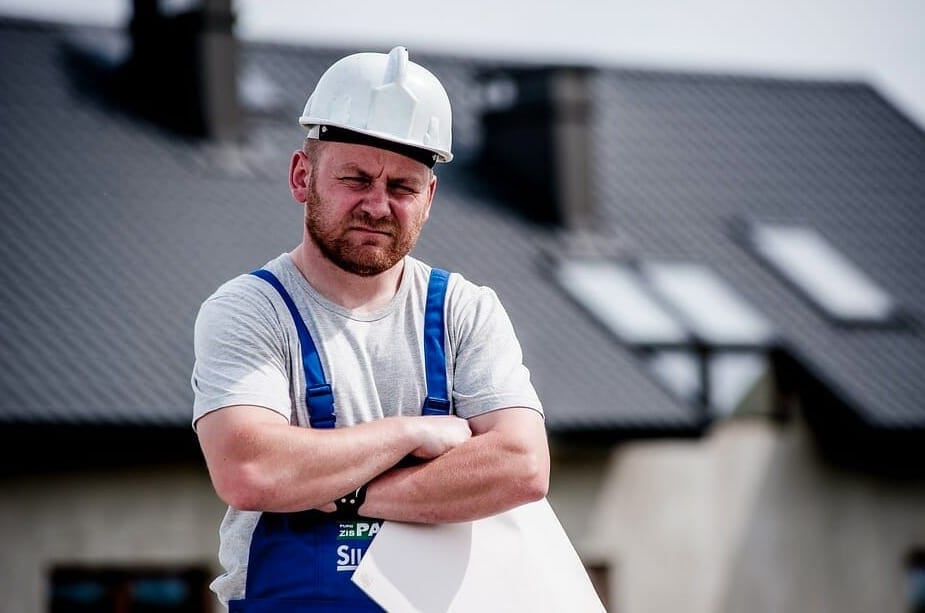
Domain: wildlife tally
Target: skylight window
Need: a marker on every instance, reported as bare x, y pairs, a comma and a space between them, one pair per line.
712, 310
615, 295
829, 279
699, 337
663, 303
731, 376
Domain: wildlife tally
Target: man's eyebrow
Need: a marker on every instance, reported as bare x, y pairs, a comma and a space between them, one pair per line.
351, 168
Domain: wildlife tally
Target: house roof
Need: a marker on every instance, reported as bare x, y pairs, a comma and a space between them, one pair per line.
113, 230
684, 163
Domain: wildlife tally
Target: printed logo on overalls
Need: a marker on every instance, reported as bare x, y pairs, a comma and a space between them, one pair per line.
359, 535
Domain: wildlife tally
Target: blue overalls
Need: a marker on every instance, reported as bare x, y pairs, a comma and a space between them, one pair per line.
303, 561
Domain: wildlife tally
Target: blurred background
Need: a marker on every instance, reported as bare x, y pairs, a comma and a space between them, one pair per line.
881, 43
704, 219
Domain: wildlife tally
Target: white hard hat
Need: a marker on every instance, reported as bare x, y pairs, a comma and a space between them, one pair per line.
385, 97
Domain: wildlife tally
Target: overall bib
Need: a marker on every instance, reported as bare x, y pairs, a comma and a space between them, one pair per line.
302, 562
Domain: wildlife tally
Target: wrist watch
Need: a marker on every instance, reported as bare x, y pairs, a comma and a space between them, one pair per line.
349, 503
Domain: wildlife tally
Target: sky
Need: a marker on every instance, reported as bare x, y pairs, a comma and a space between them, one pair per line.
881, 42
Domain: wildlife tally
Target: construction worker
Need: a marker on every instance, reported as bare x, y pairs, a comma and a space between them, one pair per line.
346, 383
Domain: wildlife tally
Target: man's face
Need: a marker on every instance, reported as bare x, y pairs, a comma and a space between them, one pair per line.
366, 206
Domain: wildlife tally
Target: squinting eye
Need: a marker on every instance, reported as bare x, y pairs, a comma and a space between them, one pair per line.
404, 190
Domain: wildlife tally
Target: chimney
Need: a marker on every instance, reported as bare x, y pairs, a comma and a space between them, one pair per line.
181, 70
536, 143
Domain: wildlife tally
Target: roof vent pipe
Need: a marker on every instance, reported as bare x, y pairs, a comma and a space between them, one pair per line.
181, 71
536, 143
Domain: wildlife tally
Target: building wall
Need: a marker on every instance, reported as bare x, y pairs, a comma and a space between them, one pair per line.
156, 516
747, 519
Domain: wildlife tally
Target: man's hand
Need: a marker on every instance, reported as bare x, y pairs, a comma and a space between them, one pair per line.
503, 464
439, 434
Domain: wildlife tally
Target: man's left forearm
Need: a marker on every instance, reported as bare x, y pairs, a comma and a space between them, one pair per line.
504, 465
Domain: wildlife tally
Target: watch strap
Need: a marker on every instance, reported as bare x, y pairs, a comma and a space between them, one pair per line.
349, 504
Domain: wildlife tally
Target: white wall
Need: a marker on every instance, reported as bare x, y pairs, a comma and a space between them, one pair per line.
165, 515
747, 519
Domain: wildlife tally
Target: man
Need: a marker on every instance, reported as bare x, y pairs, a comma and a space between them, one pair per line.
420, 371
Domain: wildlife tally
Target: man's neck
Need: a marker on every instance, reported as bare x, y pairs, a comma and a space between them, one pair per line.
351, 291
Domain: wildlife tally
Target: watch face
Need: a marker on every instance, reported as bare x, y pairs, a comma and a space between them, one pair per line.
349, 504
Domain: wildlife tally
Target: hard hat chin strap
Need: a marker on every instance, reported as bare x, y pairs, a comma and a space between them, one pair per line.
341, 135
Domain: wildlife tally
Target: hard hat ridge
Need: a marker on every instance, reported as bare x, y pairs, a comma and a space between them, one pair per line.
385, 97
397, 66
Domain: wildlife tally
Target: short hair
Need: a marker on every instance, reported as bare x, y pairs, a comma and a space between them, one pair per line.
312, 148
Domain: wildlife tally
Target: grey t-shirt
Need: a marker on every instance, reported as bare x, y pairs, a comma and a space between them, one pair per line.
247, 352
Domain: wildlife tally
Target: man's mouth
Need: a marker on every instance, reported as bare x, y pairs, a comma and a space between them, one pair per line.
371, 230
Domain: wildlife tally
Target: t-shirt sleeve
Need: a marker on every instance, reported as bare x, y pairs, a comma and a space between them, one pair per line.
241, 356
489, 371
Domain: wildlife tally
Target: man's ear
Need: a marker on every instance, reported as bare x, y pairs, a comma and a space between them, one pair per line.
431, 189
298, 176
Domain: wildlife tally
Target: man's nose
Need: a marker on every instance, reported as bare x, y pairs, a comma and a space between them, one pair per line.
376, 200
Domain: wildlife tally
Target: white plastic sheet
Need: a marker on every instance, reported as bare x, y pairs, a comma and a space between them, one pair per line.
517, 561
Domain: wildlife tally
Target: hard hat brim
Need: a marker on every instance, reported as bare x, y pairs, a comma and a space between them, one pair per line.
383, 140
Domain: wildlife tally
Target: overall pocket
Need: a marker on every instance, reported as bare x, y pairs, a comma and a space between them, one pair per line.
306, 559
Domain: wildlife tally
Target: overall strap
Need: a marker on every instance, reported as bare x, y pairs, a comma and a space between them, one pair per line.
318, 394
437, 401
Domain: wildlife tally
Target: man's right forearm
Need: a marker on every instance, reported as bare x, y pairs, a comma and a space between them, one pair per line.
259, 462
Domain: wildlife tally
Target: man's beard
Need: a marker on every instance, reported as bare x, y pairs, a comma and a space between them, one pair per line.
353, 255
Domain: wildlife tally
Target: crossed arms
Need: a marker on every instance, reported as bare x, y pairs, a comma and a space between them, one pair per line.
473, 468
